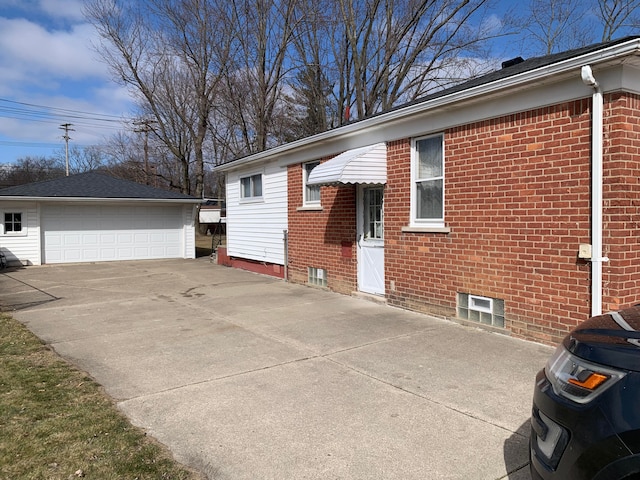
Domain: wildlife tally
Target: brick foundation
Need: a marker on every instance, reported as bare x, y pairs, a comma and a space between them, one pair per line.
271, 269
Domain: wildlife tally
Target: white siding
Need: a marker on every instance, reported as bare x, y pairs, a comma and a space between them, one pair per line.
255, 227
24, 248
189, 215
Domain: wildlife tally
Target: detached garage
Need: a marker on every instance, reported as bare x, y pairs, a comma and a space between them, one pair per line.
92, 217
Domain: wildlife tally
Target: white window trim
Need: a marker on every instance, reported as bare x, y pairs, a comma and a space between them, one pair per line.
474, 304
305, 201
430, 224
23, 218
252, 199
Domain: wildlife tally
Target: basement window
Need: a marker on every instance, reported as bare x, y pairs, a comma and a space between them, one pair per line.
485, 310
317, 276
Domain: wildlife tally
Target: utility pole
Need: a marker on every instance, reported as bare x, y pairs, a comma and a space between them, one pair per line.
145, 127
67, 128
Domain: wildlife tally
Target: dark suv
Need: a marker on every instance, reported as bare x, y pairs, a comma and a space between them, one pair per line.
585, 422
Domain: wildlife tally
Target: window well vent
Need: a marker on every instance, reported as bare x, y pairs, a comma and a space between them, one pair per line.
485, 310
317, 276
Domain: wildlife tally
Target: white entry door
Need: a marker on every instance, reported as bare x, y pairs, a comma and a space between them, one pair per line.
371, 240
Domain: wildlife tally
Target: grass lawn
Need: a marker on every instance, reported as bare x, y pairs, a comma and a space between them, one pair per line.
57, 423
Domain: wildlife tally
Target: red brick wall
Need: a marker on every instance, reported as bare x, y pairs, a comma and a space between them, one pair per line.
621, 218
517, 203
323, 238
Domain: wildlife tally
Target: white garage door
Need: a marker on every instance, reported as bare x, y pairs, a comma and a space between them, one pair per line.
100, 233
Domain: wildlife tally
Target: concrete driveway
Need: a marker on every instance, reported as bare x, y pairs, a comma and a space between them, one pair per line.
247, 377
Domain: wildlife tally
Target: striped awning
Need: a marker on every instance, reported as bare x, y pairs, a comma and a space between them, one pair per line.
366, 165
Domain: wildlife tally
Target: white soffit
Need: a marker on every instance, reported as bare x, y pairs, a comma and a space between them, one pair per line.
361, 165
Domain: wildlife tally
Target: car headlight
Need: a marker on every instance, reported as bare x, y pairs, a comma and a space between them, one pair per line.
578, 380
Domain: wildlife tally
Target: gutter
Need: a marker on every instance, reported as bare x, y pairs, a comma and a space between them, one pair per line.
539, 75
597, 179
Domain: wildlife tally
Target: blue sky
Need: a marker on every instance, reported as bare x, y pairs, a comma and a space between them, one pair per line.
50, 75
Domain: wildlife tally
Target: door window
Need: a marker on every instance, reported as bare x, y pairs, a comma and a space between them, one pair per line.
373, 210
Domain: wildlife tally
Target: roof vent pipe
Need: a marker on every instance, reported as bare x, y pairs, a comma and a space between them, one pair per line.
512, 62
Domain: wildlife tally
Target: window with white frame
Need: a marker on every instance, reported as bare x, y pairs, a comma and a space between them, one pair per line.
12, 223
489, 311
311, 193
251, 186
428, 181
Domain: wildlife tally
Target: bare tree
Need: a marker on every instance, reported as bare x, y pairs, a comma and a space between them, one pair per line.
173, 55
223, 79
550, 26
393, 51
616, 15
264, 31
311, 96
81, 159
31, 169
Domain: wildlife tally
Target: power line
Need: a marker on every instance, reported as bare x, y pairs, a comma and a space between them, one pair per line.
89, 123
30, 112
65, 110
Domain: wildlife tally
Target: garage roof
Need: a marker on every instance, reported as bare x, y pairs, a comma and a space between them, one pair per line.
93, 185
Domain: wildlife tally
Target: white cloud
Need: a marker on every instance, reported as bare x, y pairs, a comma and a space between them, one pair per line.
46, 59
46, 128
70, 9
33, 50
492, 24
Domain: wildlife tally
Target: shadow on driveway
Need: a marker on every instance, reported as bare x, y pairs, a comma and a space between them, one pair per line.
18, 294
516, 447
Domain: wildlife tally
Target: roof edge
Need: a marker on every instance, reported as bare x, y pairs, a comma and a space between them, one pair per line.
18, 198
606, 54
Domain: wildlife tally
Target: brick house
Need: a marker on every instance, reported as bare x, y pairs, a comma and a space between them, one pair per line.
511, 201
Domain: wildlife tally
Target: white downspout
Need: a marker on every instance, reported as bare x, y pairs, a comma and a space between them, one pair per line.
596, 190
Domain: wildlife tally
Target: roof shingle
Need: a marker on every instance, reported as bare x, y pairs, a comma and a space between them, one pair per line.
91, 185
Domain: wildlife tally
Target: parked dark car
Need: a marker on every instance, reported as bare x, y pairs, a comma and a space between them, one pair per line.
585, 422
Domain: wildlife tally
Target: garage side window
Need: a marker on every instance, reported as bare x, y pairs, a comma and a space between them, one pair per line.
251, 187
12, 222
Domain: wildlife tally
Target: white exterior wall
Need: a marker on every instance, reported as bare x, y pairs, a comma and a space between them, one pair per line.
22, 248
255, 226
189, 215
